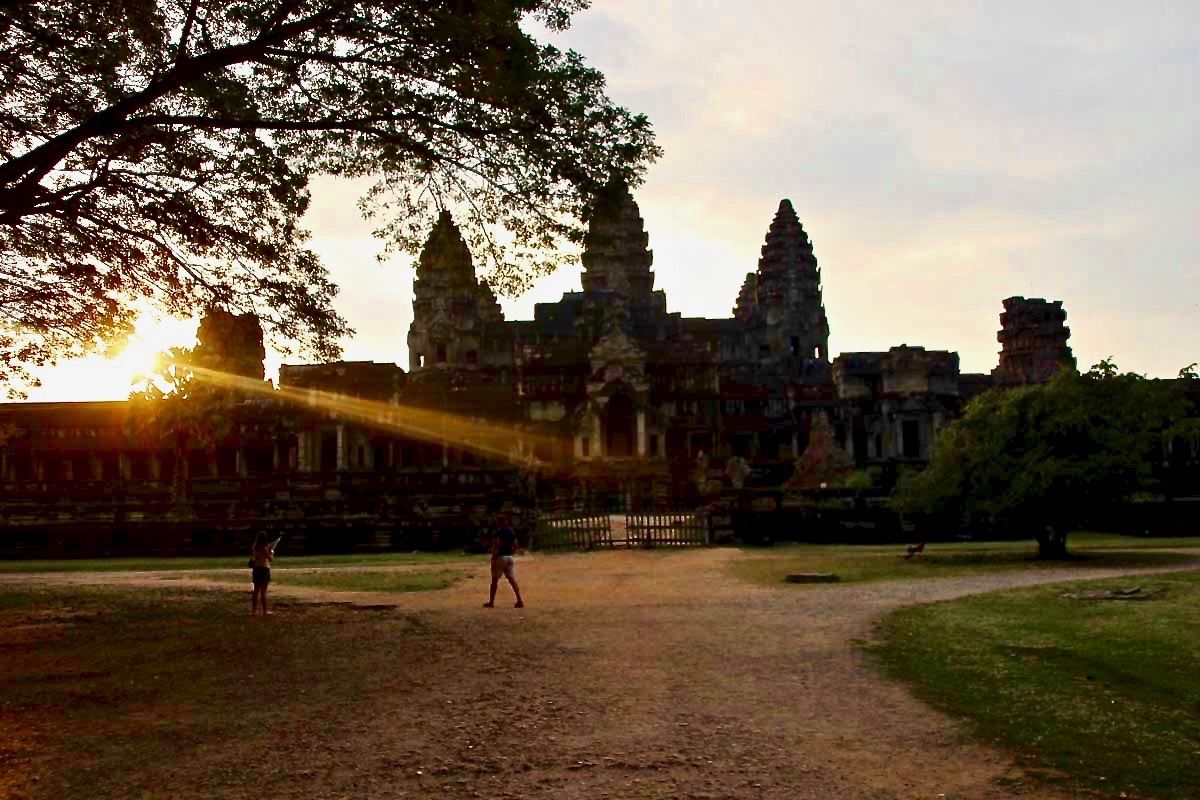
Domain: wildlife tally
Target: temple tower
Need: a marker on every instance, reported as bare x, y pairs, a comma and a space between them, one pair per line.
1033, 341
789, 315
747, 298
452, 310
231, 343
616, 256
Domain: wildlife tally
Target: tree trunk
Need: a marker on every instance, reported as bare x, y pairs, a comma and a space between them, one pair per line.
1052, 542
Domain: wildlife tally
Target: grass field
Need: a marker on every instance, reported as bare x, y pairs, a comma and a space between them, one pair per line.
857, 564
358, 580
139, 680
1103, 691
226, 562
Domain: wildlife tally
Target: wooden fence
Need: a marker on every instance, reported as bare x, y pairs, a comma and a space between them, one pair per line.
667, 529
572, 530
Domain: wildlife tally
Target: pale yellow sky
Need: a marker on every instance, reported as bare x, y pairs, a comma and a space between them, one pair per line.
941, 156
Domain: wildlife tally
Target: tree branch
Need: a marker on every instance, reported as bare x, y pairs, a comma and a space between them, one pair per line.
32, 166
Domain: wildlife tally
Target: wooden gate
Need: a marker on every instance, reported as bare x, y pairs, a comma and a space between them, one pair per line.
667, 529
572, 530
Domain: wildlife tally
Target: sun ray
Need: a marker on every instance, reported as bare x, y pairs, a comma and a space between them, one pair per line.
484, 437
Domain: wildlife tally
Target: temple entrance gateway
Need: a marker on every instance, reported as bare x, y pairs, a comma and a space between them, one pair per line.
620, 427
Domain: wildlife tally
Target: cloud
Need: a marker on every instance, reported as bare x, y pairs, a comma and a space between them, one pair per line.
942, 156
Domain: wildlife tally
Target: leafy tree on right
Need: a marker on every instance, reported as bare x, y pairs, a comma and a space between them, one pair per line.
1041, 458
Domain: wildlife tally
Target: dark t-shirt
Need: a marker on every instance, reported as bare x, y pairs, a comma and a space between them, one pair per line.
505, 541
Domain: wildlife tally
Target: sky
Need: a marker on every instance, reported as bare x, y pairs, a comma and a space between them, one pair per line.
941, 155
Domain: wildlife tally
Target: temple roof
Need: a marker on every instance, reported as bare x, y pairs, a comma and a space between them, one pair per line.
787, 247
445, 253
616, 254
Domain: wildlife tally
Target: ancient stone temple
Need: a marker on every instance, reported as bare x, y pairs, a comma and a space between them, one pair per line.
604, 384
607, 374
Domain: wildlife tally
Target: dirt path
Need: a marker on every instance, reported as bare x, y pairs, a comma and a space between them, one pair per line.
634, 674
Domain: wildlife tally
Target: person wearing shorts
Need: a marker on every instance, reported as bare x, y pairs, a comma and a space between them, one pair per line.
260, 572
504, 546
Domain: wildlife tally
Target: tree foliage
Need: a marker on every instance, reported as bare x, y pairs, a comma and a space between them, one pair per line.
1041, 458
178, 403
161, 150
173, 407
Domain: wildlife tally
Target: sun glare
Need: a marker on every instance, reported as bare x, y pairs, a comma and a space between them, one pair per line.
151, 336
111, 377
136, 359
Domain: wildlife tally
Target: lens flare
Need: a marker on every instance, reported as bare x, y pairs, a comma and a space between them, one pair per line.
483, 437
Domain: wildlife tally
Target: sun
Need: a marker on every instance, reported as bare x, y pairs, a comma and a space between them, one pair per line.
112, 376
151, 337
136, 359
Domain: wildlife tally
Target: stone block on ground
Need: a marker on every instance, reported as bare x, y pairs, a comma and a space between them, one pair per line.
812, 577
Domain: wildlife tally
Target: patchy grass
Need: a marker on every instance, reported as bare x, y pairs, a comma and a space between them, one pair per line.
1091, 540
1104, 691
371, 580
109, 693
853, 563
225, 562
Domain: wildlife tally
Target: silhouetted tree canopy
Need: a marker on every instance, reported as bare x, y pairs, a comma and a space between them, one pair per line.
162, 149
178, 402
1041, 458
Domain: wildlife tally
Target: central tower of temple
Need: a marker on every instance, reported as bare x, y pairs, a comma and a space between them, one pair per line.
788, 312
616, 255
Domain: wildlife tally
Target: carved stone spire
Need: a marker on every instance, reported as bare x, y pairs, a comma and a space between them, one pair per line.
747, 298
616, 257
445, 260
452, 310
789, 302
489, 306
1033, 340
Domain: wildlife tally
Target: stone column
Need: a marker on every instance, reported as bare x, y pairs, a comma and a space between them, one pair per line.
367, 451
239, 460
124, 466
795, 445
641, 434
599, 441
153, 465
304, 447
343, 444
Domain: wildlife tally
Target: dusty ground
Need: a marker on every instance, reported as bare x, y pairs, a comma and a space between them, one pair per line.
629, 674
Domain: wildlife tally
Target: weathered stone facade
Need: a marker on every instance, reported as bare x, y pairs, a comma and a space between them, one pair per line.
603, 382
604, 386
1033, 341
456, 318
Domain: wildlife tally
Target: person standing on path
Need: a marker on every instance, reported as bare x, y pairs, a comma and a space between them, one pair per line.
504, 546
260, 569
